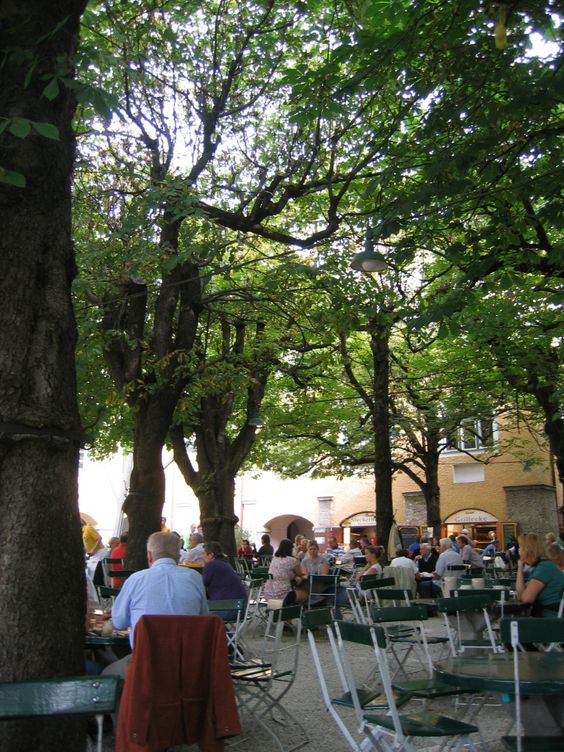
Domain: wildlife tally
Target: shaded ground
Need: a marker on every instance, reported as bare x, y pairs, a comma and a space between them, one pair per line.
304, 701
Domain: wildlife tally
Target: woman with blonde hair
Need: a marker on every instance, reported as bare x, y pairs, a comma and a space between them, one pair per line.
543, 584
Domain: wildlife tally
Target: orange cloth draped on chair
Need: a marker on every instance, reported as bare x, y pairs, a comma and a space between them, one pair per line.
178, 688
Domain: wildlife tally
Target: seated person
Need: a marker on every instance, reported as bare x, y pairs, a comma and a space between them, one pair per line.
373, 568
286, 571
491, 549
334, 550
431, 587
266, 548
469, 555
555, 553
543, 585
402, 559
314, 562
195, 555
164, 588
426, 562
245, 550
221, 581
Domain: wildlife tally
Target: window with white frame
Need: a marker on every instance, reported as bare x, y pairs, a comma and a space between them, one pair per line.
473, 434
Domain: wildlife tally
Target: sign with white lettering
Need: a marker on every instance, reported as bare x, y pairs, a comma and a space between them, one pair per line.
362, 519
469, 515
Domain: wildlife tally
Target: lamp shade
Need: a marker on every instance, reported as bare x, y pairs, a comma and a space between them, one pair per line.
369, 261
256, 421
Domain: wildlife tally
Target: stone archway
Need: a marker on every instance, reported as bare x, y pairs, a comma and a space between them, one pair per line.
288, 526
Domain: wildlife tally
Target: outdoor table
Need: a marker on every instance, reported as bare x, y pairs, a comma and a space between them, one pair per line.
541, 680
540, 673
99, 640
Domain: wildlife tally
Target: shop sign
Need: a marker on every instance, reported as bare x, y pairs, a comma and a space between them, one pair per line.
469, 516
362, 519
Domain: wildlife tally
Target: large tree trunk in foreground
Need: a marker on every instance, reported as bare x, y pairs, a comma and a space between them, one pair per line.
42, 587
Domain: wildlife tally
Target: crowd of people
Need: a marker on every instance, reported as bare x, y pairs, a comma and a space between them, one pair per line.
164, 588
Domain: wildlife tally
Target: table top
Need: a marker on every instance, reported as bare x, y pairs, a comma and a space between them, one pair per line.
539, 673
93, 640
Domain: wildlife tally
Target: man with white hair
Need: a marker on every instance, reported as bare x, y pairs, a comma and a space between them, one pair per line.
196, 553
163, 589
447, 558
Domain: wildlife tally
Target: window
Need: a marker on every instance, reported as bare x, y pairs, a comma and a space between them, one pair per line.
472, 435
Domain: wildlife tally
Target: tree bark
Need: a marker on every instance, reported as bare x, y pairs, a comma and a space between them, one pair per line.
381, 431
42, 586
144, 502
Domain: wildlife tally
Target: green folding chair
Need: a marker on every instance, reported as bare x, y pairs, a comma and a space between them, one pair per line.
335, 703
549, 633
391, 731
69, 695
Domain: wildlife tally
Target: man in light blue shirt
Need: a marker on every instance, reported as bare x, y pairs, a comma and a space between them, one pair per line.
164, 588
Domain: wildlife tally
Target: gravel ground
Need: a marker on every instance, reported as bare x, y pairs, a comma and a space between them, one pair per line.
304, 702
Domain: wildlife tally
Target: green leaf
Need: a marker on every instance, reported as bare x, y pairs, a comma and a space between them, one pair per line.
20, 127
51, 90
12, 178
47, 130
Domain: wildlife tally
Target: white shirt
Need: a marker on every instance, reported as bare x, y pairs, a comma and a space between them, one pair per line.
195, 554
403, 561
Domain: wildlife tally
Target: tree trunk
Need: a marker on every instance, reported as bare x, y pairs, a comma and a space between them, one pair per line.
216, 494
42, 586
144, 503
381, 431
431, 487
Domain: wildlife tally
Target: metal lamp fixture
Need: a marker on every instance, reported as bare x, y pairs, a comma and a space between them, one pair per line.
256, 422
369, 260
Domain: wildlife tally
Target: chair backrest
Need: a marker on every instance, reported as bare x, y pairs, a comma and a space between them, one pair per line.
322, 590
545, 631
457, 607
516, 631
403, 578
490, 594
70, 695
232, 611
122, 573
374, 637
371, 583
398, 595
398, 613
471, 602
108, 592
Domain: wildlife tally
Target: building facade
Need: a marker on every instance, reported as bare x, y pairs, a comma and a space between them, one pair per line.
481, 490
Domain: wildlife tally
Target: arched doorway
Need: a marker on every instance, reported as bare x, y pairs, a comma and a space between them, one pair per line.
288, 526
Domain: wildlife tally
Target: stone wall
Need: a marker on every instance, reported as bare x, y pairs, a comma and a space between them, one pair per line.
533, 507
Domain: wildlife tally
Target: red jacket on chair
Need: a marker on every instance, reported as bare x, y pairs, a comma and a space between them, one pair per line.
178, 688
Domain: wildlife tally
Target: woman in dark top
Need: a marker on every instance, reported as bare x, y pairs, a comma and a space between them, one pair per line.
266, 548
221, 581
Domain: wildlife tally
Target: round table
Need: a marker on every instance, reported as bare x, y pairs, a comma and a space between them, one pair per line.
539, 673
